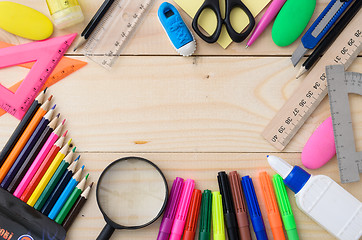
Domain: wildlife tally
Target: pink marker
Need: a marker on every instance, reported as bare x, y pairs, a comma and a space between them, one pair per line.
182, 209
268, 16
38, 160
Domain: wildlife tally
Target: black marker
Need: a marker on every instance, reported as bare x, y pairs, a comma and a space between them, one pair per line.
228, 206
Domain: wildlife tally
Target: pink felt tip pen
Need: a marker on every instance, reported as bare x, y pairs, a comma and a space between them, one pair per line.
182, 209
268, 16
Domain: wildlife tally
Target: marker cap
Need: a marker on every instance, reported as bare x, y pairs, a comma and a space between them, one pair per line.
170, 211
193, 215
205, 218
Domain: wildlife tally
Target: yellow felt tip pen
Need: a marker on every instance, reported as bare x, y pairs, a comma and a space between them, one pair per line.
49, 173
217, 217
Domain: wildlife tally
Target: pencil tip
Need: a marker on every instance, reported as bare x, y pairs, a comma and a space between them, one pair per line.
70, 140
75, 49
50, 98
58, 115
45, 90
82, 167
54, 106
246, 46
65, 134
91, 185
74, 149
63, 122
302, 70
77, 158
86, 177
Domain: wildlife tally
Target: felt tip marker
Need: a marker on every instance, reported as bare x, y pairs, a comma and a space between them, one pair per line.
240, 206
285, 208
271, 206
322, 199
254, 209
228, 206
205, 218
218, 226
182, 209
192, 216
170, 211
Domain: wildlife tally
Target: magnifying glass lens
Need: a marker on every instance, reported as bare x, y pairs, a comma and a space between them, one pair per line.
131, 192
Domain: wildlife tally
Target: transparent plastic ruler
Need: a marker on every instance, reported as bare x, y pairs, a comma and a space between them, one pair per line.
340, 84
111, 34
313, 88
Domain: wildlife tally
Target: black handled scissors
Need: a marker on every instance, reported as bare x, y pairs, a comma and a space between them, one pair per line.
229, 6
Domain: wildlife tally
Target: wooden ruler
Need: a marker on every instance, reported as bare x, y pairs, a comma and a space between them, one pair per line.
340, 84
313, 89
65, 67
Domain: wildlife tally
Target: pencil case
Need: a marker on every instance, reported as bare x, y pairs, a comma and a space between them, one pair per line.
20, 221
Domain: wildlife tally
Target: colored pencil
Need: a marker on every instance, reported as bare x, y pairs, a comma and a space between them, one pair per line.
21, 127
30, 145
48, 173
70, 201
65, 167
50, 159
33, 155
37, 162
59, 189
23, 139
65, 195
78, 205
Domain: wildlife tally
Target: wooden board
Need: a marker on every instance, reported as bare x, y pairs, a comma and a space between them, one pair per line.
191, 116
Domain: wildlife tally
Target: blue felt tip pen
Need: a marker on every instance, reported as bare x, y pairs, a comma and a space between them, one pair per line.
254, 209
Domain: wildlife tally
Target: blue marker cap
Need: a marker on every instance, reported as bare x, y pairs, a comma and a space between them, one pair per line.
253, 207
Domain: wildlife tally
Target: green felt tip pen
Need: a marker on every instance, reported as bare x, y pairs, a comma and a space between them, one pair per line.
205, 219
285, 208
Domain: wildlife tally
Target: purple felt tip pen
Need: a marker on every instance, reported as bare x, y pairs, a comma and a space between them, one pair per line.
171, 208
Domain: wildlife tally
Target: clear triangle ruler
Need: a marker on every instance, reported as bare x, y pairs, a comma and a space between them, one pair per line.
108, 39
340, 84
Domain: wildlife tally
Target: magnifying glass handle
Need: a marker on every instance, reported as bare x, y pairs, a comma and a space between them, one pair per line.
106, 233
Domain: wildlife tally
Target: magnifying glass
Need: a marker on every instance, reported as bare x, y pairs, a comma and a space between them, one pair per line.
131, 194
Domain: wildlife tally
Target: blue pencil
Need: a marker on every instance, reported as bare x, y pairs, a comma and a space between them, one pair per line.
27, 148
58, 189
65, 194
254, 209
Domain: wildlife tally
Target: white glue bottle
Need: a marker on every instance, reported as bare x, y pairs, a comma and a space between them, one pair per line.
322, 199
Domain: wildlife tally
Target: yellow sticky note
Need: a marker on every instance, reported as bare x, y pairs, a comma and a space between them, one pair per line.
208, 20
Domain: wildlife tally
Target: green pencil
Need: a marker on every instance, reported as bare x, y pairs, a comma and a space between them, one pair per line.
54, 181
285, 208
71, 200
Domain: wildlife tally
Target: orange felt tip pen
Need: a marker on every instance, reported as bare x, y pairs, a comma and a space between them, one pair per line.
271, 206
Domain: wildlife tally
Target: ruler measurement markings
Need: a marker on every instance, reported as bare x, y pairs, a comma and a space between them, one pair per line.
347, 43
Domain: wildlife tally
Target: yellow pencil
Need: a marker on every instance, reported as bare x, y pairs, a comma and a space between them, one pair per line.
48, 174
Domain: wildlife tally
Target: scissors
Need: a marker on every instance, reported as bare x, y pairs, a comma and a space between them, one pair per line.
229, 6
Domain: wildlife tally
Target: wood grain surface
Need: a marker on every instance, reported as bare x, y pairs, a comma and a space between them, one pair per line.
192, 116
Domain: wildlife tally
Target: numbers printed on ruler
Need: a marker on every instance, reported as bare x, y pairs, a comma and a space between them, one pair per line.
313, 88
111, 34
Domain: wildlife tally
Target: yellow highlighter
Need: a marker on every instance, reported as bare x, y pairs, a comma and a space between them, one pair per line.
49, 173
217, 217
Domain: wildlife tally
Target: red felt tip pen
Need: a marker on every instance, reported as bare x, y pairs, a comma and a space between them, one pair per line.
193, 215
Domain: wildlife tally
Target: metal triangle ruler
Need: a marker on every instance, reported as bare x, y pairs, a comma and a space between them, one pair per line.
111, 34
291, 117
65, 67
340, 84
46, 55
